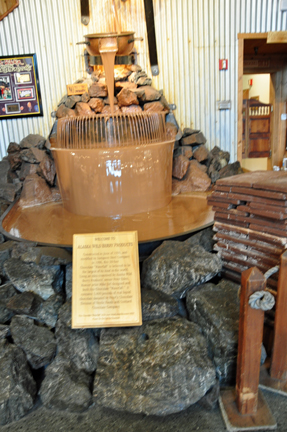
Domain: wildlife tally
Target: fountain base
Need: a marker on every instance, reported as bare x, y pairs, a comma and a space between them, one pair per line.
52, 224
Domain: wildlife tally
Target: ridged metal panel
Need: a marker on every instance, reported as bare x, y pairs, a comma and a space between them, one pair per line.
192, 35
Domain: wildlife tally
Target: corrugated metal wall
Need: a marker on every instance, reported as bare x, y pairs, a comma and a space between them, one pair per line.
192, 35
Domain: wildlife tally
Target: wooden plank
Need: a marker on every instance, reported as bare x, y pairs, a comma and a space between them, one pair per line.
250, 337
252, 35
278, 368
7, 6
277, 37
106, 285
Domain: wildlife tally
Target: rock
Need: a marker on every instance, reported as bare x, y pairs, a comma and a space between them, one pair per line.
159, 368
63, 111
15, 160
157, 305
19, 248
85, 97
194, 139
176, 187
153, 107
203, 238
230, 170
136, 75
50, 310
134, 67
195, 163
3, 206
8, 191
83, 109
5, 253
210, 399
38, 343
47, 255
98, 90
68, 281
4, 331
147, 94
122, 73
189, 131
166, 105
31, 277
131, 109
194, 180
81, 346
126, 98
13, 148
180, 166
184, 150
32, 155
47, 169
95, 76
125, 84
215, 308
5, 313
65, 387
18, 388
171, 130
144, 81
7, 292
96, 104
26, 303
35, 191
176, 267
4, 168
72, 100
201, 153
32, 140
27, 169
107, 100
107, 109
63, 100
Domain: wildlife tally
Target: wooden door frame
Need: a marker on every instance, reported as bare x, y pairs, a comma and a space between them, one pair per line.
277, 153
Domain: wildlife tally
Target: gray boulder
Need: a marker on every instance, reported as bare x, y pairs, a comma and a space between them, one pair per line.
159, 368
157, 305
176, 267
65, 387
7, 291
32, 140
18, 388
50, 310
215, 308
43, 281
4, 331
80, 346
38, 343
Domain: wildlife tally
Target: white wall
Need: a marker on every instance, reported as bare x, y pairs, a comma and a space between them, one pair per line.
260, 86
192, 35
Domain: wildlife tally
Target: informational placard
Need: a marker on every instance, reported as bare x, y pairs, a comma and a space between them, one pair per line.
77, 89
106, 283
19, 87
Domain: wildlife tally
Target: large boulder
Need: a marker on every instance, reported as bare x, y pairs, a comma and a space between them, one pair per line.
18, 388
159, 368
175, 267
215, 308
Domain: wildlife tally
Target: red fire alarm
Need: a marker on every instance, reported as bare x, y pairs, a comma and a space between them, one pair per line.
250, 82
223, 64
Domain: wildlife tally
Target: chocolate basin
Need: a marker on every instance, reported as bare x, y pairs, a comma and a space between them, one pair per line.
116, 181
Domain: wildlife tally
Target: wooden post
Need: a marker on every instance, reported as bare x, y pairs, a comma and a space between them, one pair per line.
250, 336
278, 367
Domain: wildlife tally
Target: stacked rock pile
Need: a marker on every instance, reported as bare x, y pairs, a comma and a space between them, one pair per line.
251, 222
133, 369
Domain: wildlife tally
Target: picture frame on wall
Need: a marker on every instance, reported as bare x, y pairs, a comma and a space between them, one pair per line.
20, 94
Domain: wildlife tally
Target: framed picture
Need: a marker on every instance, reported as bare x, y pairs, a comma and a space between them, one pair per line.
19, 87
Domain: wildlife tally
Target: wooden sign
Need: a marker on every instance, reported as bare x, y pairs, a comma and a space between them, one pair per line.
277, 37
106, 283
77, 89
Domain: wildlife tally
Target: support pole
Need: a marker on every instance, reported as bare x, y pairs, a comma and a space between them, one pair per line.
250, 336
278, 369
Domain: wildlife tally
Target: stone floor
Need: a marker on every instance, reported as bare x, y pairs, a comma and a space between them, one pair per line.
96, 419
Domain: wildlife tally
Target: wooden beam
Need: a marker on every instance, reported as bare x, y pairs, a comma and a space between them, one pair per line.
252, 35
250, 337
278, 368
240, 98
277, 37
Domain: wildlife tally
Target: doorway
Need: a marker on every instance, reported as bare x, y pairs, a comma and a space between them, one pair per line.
263, 53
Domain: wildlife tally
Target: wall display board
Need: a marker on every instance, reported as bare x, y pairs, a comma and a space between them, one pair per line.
19, 87
106, 283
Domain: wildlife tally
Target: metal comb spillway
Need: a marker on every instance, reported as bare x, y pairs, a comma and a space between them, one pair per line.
102, 131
